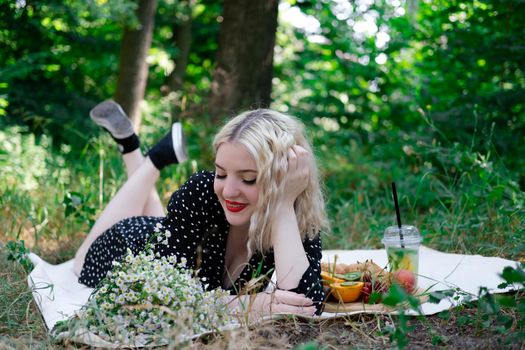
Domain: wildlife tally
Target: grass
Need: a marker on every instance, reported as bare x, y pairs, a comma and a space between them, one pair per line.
463, 200
20, 322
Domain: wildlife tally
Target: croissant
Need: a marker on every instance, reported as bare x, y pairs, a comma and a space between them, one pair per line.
341, 268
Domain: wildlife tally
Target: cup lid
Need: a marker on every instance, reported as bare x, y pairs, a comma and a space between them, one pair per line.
410, 234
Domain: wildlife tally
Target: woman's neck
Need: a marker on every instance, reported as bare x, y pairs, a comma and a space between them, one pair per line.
236, 254
238, 236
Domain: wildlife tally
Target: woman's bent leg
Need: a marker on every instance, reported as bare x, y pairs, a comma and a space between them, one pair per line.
129, 201
153, 205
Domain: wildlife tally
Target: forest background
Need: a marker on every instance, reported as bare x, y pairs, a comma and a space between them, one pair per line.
429, 94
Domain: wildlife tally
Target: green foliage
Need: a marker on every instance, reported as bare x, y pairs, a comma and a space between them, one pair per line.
432, 98
446, 189
18, 252
492, 311
404, 120
398, 299
311, 345
19, 317
495, 313
76, 205
483, 87
417, 64
24, 160
171, 14
56, 60
513, 276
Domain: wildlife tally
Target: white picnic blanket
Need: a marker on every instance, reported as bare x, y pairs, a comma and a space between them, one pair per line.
59, 295
439, 271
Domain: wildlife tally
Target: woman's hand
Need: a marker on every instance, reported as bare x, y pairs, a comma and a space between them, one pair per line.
280, 301
297, 175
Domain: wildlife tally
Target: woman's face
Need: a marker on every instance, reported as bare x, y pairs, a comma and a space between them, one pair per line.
234, 185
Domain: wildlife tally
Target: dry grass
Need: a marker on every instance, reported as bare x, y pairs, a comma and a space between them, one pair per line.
21, 327
464, 219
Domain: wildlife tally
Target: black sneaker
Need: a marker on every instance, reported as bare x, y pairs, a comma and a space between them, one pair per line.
179, 142
171, 149
111, 117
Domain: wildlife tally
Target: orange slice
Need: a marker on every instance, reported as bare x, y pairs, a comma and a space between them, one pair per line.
347, 292
328, 278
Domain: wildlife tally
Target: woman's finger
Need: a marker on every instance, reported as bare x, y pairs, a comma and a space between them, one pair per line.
299, 149
303, 163
298, 310
292, 160
291, 298
303, 157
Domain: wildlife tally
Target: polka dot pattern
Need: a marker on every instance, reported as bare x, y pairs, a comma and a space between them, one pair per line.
199, 232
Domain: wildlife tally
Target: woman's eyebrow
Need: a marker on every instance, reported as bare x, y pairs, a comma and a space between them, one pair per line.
239, 171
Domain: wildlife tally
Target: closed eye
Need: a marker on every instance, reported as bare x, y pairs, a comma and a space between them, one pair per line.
249, 182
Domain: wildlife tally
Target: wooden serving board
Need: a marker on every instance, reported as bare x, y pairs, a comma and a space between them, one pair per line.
360, 306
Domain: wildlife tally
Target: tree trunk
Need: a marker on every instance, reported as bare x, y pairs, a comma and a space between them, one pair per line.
243, 77
133, 69
182, 35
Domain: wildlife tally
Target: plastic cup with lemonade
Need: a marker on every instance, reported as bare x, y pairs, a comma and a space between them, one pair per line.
402, 248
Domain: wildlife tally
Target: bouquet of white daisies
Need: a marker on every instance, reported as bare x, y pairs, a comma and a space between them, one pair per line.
147, 298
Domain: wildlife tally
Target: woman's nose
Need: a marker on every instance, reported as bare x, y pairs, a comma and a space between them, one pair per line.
230, 189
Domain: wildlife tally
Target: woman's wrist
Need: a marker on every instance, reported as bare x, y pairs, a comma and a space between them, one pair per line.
285, 209
233, 302
239, 304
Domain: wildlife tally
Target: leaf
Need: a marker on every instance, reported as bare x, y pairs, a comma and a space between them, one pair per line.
436, 297
488, 305
505, 320
311, 345
487, 323
506, 300
375, 297
396, 295
73, 202
414, 302
439, 339
521, 308
513, 275
463, 320
444, 315
17, 252
497, 193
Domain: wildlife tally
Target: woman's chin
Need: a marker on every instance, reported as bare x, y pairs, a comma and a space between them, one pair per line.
237, 220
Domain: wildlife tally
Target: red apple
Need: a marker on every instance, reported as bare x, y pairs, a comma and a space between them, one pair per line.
406, 279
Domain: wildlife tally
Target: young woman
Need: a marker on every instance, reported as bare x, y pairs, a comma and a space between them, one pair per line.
260, 211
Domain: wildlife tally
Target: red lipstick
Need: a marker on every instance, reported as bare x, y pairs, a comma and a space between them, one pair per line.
234, 206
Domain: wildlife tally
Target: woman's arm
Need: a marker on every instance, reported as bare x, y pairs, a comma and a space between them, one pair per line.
297, 262
290, 258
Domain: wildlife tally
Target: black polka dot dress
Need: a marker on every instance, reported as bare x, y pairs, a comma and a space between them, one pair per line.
198, 232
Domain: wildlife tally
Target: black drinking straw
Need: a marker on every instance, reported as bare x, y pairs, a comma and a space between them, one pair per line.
398, 216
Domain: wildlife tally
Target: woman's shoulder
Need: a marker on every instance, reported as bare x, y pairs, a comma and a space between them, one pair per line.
195, 192
202, 176
199, 182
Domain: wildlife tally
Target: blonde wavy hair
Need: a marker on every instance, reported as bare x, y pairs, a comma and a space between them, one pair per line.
268, 135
